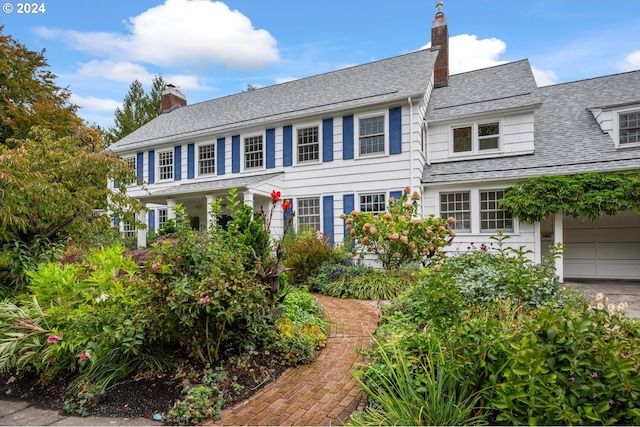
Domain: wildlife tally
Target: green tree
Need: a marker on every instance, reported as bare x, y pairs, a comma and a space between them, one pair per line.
137, 109
29, 95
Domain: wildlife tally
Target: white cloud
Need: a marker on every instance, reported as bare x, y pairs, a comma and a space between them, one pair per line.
285, 79
631, 61
127, 72
467, 53
95, 104
544, 77
180, 32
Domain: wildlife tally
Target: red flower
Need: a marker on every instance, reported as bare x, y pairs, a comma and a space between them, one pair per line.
275, 196
286, 204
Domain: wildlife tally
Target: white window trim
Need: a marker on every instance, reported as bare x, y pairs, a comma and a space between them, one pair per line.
158, 166
474, 200
320, 207
356, 132
243, 162
295, 143
475, 141
374, 193
616, 126
196, 166
133, 157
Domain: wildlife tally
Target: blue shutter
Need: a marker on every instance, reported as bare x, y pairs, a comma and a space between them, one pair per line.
151, 221
235, 154
177, 163
348, 202
327, 140
220, 153
287, 145
116, 220
152, 166
395, 194
140, 166
328, 217
270, 146
191, 161
116, 184
347, 137
395, 130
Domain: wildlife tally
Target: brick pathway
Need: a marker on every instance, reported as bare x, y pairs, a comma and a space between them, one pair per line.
322, 392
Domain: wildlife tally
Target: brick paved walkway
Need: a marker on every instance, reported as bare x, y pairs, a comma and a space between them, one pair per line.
322, 392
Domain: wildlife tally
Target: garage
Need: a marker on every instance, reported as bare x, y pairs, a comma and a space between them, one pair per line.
607, 248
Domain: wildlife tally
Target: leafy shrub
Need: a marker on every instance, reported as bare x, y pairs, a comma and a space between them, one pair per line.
198, 405
398, 237
536, 357
301, 330
306, 255
360, 282
79, 316
416, 391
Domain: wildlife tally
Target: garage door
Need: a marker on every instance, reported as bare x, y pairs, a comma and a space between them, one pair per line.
608, 248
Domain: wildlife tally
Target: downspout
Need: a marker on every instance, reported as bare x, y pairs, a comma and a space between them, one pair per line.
411, 139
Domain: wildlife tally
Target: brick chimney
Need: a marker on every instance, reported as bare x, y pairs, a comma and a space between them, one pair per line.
440, 40
172, 98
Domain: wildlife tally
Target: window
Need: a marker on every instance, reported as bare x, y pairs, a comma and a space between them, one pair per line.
206, 159
253, 157
372, 135
131, 164
458, 206
372, 203
476, 138
128, 230
629, 128
308, 144
162, 218
165, 165
309, 214
492, 218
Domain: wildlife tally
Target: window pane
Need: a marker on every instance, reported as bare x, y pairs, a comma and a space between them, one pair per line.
492, 218
372, 135
206, 159
462, 139
373, 203
165, 165
308, 214
456, 205
308, 144
488, 129
629, 128
253, 152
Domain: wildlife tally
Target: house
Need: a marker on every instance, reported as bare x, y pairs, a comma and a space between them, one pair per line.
353, 138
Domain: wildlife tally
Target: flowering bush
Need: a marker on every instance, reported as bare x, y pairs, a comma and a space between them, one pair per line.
306, 254
398, 236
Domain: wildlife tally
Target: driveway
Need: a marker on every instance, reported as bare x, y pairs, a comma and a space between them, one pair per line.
617, 291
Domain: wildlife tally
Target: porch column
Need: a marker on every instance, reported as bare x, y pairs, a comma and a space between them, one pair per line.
171, 209
211, 218
248, 198
142, 233
559, 238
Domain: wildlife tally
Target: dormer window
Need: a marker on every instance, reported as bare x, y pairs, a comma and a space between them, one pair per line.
476, 138
629, 128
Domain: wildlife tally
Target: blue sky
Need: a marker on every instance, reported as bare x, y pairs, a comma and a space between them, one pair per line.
211, 49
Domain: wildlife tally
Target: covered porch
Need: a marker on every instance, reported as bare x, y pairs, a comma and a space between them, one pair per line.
197, 197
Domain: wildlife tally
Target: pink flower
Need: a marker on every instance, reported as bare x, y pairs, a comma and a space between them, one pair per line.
53, 339
594, 374
205, 299
132, 279
155, 266
85, 356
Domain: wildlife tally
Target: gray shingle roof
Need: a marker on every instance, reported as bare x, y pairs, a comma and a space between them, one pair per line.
568, 139
381, 81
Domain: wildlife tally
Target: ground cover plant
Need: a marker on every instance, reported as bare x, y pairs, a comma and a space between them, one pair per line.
200, 306
528, 354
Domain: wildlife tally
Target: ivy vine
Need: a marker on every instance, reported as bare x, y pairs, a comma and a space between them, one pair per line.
585, 195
